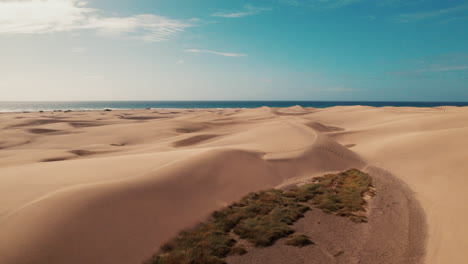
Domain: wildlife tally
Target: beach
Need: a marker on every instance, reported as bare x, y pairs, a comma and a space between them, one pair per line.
113, 186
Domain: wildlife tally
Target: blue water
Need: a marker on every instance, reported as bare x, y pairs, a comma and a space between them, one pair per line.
98, 105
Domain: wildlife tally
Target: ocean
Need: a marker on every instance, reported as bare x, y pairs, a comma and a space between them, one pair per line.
10, 106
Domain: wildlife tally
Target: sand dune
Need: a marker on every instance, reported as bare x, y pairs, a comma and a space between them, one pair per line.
111, 187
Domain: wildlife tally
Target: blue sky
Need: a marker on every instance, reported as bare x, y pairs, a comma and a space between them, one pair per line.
234, 50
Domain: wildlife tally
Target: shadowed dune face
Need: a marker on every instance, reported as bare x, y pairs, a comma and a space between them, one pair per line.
120, 188
144, 117
193, 140
81, 152
55, 159
189, 127
42, 130
36, 122
323, 128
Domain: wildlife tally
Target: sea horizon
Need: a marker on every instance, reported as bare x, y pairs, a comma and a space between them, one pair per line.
22, 106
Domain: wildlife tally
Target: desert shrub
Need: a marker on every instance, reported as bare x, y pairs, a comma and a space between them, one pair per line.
343, 194
238, 250
262, 231
298, 240
206, 243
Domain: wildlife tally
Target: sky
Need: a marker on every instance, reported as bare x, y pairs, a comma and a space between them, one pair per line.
339, 50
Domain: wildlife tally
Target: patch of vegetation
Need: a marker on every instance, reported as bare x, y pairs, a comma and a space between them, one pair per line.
263, 217
206, 243
341, 193
238, 249
298, 240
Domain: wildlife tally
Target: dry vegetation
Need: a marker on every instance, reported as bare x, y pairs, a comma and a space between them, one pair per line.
298, 240
262, 218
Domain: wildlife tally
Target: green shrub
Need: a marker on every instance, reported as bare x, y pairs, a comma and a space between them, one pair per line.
262, 231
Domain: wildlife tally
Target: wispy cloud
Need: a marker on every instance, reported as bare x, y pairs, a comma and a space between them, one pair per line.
395, 3
249, 10
321, 4
435, 14
51, 16
225, 54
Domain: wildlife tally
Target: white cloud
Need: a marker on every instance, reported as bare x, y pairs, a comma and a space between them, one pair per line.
50, 16
226, 54
249, 10
180, 62
321, 4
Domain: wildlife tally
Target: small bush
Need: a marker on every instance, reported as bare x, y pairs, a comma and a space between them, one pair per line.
238, 250
206, 243
298, 240
341, 193
262, 231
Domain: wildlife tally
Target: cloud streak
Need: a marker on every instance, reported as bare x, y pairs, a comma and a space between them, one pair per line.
249, 10
53, 16
321, 4
225, 54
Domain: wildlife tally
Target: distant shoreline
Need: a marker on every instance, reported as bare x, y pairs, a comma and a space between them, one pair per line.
11, 106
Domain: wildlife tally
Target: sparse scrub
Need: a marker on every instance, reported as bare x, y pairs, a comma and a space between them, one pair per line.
298, 240
262, 231
341, 193
263, 217
238, 250
206, 243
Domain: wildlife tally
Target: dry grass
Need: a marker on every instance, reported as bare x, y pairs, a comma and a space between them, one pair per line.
298, 240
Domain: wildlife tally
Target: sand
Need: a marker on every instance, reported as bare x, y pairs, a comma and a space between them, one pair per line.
111, 187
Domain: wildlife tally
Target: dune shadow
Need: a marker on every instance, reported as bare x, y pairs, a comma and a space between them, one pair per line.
193, 140
323, 128
81, 152
56, 159
144, 117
